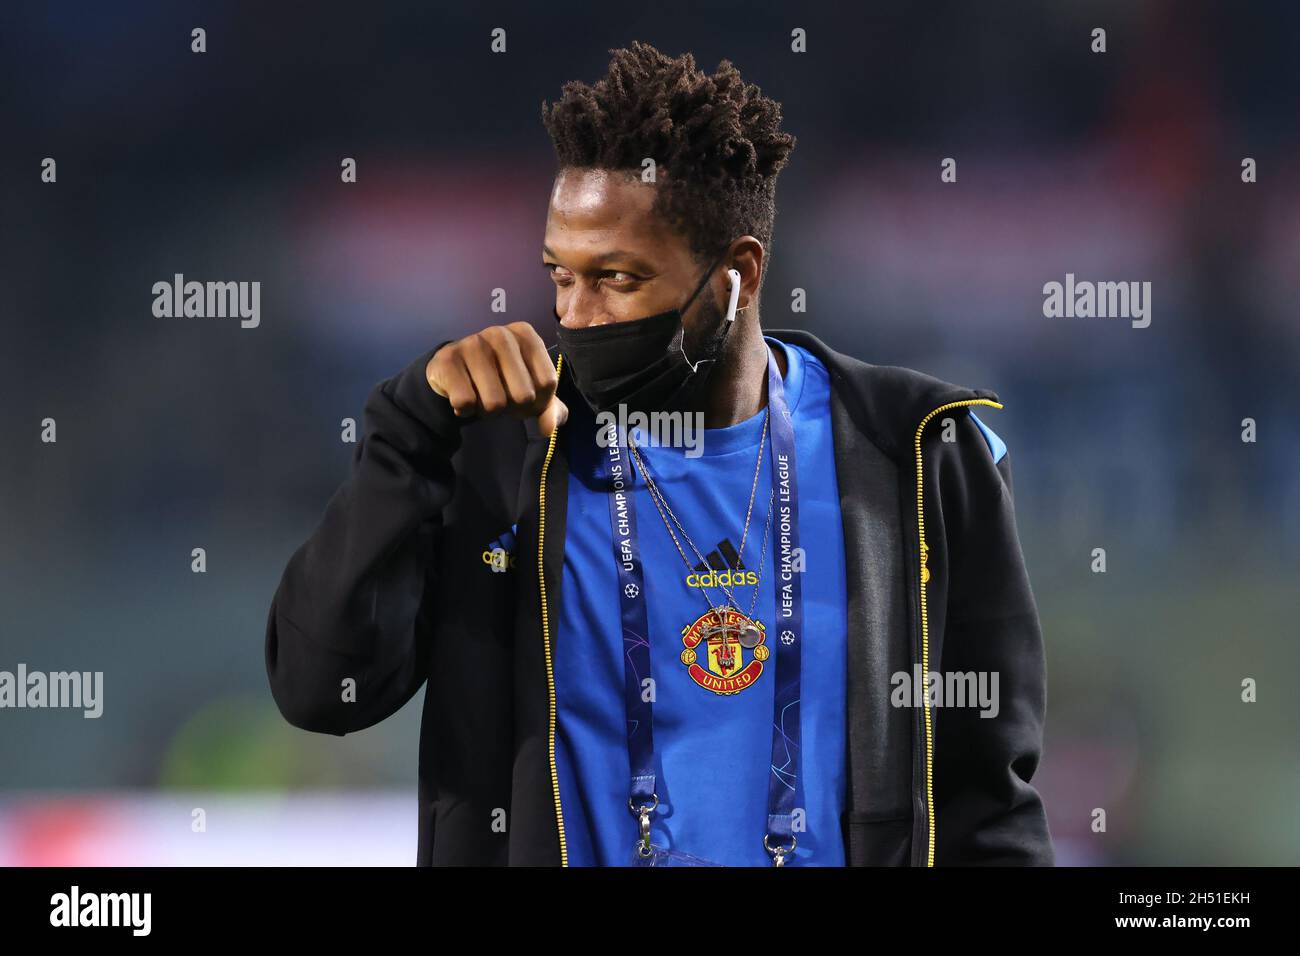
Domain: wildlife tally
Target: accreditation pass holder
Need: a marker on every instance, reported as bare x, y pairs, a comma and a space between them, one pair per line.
783, 783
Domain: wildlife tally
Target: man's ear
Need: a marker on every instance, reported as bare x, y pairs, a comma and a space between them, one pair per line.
747, 256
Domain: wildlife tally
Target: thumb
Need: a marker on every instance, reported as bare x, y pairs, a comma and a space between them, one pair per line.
554, 415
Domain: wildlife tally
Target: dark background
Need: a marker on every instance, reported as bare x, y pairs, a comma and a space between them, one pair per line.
183, 433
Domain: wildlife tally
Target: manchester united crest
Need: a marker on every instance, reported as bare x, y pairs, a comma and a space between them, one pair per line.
715, 649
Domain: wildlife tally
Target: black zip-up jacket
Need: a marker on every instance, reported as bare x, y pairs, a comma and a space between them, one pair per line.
392, 592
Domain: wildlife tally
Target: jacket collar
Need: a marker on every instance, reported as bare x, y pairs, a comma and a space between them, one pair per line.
886, 402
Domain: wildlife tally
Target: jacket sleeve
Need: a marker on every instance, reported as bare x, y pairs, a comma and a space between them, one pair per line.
349, 630
987, 811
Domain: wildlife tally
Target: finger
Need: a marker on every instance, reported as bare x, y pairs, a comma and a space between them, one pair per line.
555, 415
519, 381
452, 381
483, 371
533, 350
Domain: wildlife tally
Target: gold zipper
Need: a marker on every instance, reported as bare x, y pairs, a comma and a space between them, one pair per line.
546, 629
925, 618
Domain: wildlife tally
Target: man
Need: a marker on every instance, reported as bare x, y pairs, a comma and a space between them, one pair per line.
701, 654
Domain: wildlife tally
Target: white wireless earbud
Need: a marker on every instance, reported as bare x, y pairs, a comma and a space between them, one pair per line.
734, 277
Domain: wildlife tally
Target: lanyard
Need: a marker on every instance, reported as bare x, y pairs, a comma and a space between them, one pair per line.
779, 840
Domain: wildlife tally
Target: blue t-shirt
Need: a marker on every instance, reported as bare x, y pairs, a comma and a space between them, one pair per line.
714, 750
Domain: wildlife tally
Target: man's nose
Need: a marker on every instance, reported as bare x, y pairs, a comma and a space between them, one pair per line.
581, 308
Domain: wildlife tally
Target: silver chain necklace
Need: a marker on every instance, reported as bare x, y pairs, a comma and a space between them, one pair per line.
749, 634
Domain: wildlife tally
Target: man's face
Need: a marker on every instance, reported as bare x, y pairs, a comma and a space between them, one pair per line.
613, 260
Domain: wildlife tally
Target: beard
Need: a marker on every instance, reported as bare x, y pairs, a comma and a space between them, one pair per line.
709, 317
697, 332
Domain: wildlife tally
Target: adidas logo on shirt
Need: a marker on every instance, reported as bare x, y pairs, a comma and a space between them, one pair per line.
723, 567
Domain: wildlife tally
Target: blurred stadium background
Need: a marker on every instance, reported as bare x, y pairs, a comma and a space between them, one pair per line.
175, 434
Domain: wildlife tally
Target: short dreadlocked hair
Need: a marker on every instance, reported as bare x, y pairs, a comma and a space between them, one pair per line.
715, 140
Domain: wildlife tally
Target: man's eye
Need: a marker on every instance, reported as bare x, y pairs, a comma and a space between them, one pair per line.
557, 271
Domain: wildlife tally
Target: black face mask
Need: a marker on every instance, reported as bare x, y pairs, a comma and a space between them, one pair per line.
642, 363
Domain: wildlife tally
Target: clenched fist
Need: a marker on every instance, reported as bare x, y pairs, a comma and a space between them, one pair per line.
503, 368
